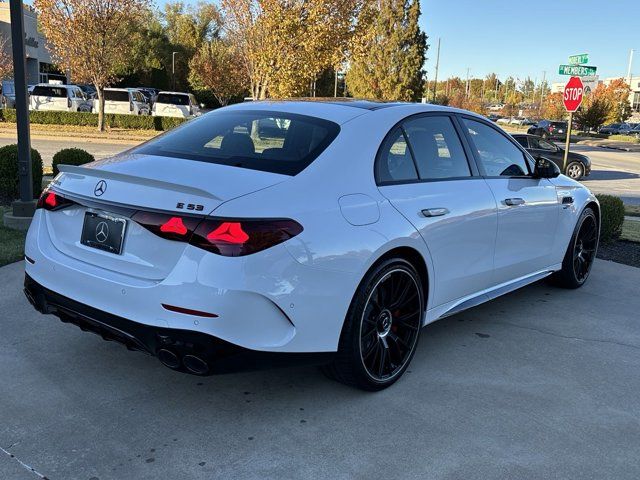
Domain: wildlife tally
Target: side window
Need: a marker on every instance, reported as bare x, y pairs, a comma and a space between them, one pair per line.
523, 141
437, 148
541, 144
498, 155
395, 162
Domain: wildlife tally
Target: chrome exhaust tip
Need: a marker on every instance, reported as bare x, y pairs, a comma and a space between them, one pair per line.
195, 365
168, 358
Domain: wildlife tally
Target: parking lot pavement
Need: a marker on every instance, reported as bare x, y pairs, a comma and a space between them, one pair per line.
542, 383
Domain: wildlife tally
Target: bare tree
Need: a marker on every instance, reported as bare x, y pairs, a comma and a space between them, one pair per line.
92, 38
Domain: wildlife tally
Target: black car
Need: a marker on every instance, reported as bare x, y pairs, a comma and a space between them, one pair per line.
549, 130
615, 129
578, 165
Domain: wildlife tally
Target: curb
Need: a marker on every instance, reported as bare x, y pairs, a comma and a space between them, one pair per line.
16, 223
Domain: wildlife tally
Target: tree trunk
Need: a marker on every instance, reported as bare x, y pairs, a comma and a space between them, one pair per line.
100, 91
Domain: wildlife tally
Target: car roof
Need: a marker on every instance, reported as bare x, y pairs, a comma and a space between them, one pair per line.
174, 93
342, 110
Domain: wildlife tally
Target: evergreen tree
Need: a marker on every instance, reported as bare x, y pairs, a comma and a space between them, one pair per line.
388, 52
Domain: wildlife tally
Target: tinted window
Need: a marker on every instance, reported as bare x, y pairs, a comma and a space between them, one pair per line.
173, 99
541, 144
57, 92
116, 95
437, 148
522, 141
394, 162
559, 124
498, 155
234, 138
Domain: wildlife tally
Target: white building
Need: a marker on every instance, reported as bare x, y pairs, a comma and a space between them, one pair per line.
634, 95
39, 65
590, 84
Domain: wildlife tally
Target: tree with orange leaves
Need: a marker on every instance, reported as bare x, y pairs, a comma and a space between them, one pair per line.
91, 38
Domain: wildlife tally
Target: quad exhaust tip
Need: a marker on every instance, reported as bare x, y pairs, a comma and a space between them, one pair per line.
168, 358
195, 365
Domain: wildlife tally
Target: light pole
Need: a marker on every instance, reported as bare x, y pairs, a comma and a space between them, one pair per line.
629, 68
173, 69
24, 208
435, 80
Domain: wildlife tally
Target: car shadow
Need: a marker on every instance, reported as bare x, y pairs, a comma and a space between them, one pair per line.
610, 175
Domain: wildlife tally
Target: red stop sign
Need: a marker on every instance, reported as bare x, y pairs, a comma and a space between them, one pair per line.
573, 91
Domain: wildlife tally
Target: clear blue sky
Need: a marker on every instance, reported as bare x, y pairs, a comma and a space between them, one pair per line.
525, 38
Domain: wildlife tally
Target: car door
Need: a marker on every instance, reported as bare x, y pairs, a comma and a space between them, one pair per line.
426, 172
528, 207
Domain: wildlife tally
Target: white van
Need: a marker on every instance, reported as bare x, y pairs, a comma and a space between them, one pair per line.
125, 101
60, 98
175, 104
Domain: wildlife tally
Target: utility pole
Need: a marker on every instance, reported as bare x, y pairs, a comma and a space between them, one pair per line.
173, 69
435, 80
467, 87
497, 81
542, 88
24, 208
335, 85
629, 68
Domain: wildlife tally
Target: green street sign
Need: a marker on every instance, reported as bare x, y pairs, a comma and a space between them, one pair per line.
577, 70
580, 59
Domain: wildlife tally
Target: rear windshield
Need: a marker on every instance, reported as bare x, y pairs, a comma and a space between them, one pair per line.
173, 99
116, 96
559, 124
275, 142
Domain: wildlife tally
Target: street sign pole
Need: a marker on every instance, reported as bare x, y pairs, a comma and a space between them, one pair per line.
567, 143
22, 112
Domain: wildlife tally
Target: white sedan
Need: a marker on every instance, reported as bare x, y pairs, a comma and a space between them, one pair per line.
327, 232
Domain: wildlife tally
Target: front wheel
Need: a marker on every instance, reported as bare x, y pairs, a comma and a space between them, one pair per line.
575, 170
581, 252
381, 329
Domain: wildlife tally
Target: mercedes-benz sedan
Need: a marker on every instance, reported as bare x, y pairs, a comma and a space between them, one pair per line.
321, 231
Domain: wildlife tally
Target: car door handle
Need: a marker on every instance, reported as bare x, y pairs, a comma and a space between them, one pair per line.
512, 202
435, 212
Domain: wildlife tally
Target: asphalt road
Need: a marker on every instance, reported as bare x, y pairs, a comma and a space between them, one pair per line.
614, 172
542, 383
49, 147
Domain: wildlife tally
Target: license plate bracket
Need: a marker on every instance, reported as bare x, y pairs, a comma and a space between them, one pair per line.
103, 232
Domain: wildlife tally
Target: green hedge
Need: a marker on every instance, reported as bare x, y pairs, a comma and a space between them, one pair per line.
612, 212
9, 189
138, 122
71, 156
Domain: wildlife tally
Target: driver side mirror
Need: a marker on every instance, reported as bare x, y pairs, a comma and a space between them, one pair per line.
545, 168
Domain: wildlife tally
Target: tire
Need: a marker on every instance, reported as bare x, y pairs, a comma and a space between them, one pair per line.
382, 328
581, 252
575, 170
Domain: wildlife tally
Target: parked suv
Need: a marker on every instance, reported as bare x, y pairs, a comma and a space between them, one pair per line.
60, 98
548, 129
125, 101
176, 104
578, 165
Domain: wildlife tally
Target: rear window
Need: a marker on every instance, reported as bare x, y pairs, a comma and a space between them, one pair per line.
559, 124
275, 142
173, 99
58, 92
116, 96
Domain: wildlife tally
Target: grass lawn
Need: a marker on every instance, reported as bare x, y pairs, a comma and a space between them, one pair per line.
11, 242
632, 210
631, 231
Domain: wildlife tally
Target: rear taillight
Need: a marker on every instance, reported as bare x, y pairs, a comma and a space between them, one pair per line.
50, 200
236, 238
227, 237
171, 227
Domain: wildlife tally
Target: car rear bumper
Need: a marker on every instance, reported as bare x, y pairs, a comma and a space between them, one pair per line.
216, 355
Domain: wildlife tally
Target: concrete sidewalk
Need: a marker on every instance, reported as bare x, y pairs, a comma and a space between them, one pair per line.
543, 383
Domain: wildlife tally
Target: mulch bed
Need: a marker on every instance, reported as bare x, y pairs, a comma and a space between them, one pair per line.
621, 251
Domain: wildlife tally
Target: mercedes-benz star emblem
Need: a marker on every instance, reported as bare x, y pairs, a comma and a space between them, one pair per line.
101, 187
102, 232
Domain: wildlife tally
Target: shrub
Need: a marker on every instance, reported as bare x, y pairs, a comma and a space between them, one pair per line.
71, 156
612, 213
144, 122
9, 187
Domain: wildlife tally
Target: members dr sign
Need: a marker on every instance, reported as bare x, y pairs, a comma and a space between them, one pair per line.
573, 92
